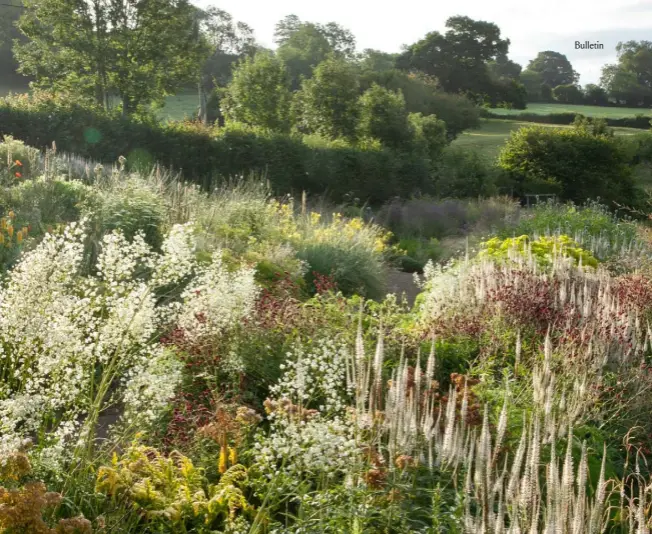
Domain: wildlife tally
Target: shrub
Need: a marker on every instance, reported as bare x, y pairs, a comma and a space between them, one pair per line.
575, 164
430, 135
128, 205
422, 96
351, 252
17, 161
639, 121
568, 94
383, 116
12, 241
44, 202
207, 157
418, 253
462, 174
259, 93
23, 506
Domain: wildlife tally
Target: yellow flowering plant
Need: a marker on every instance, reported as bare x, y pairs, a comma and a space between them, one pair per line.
171, 492
543, 249
11, 240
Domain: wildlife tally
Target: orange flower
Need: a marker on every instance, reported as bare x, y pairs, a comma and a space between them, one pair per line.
18, 175
18, 163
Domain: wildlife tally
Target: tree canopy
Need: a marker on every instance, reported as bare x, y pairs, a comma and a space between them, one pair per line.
141, 51
630, 79
554, 69
460, 58
304, 45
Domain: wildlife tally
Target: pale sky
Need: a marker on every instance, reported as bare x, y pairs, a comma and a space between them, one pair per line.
531, 26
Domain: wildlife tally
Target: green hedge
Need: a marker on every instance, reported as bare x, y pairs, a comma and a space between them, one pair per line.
639, 121
205, 156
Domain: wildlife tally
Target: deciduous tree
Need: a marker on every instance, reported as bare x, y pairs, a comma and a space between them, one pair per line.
383, 116
554, 68
327, 102
259, 93
458, 59
142, 50
304, 45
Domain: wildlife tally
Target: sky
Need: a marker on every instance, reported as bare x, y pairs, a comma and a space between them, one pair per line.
530, 26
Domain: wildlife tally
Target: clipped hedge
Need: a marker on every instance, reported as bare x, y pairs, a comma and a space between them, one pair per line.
642, 122
206, 156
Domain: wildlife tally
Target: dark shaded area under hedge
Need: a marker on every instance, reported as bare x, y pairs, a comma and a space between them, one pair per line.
287, 162
641, 122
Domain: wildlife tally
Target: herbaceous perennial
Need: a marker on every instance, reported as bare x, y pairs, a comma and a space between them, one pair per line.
72, 345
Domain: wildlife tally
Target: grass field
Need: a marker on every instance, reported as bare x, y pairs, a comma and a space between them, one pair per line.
493, 133
176, 107
589, 111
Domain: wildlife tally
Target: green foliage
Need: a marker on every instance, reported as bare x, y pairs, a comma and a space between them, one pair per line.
462, 173
304, 45
349, 269
532, 82
171, 493
422, 95
128, 205
383, 116
554, 69
350, 252
418, 252
13, 236
371, 60
17, 161
630, 79
429, 135
543, 249
568, 94
594, 95
141, 53
574, 163
259, 94
327, 102
639, 121
591, 225
46, 202
459, 58
207, 157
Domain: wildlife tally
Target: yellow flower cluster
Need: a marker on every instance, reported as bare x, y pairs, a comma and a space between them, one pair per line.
286, 221
354, 229
542, 248
172, 488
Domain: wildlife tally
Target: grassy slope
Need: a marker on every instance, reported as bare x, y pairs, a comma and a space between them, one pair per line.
493, 133
589, 111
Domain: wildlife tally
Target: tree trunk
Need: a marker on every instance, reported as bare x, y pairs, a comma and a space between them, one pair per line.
203, 111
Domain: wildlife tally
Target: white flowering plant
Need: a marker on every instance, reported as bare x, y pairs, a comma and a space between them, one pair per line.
72, 346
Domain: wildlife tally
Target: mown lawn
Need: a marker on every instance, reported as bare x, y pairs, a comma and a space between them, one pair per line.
179, 106
493, 133
589, 111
